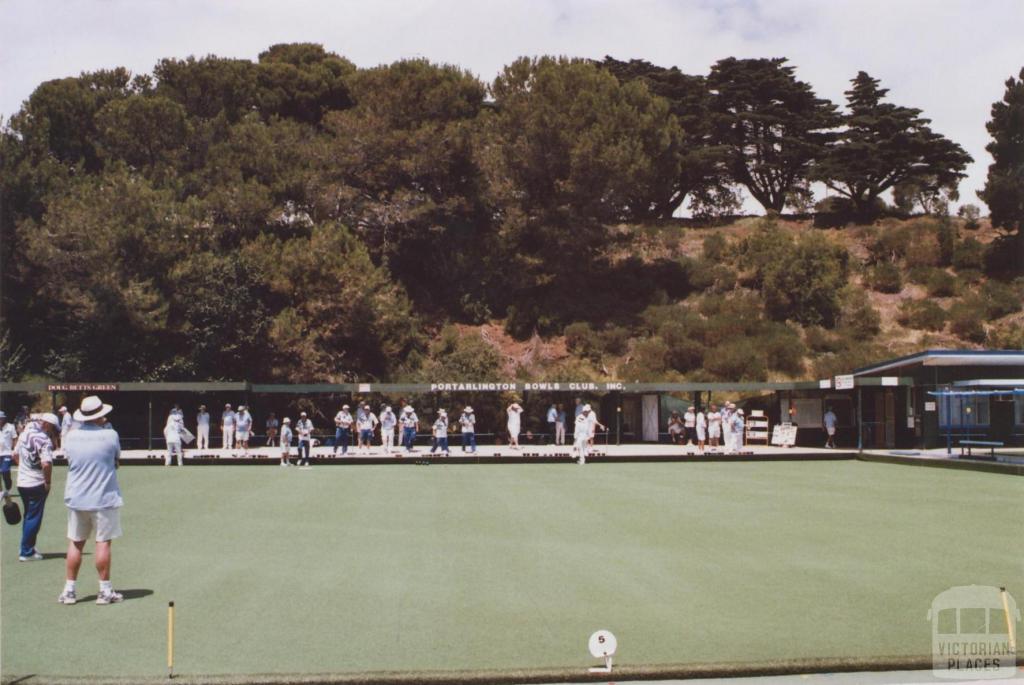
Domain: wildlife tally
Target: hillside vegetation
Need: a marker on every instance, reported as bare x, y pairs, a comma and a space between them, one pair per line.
299, 219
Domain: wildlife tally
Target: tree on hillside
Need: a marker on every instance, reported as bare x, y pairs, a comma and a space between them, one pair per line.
772, 124
882, 146
1004, 187
702, 176
570, 149
400, 169
58, 118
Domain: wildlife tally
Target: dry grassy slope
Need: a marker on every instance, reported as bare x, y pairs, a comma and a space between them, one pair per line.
528, 358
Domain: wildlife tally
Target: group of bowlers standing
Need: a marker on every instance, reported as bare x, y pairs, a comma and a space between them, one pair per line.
92, 494
708, 428
711, 429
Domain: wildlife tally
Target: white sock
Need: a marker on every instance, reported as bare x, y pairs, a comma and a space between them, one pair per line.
69, 586
106, 586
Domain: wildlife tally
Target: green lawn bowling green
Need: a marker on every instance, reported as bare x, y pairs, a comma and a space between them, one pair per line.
341, 569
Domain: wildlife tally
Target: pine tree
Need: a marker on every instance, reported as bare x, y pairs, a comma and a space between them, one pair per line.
884, 145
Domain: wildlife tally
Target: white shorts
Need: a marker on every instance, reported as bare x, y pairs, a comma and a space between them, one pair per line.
714, 432
241, 435
831, 431
106, 522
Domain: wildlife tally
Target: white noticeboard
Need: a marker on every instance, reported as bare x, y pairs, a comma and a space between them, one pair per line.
784, 435
929, 406
825, 384
890, 380
844, 382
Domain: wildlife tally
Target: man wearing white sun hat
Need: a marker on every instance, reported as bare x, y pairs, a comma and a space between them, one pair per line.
93, 496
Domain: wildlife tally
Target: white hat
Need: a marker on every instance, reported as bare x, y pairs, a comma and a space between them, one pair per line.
63, 410
302, 414
739, 411
468, 410
407, 409
442, 412
387, 407
286, 420
3, 415
48, 418
586, 407
92, 408
227, 406
344, 406
241, 407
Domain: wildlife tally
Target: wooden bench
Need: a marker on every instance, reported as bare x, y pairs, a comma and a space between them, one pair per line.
990, 444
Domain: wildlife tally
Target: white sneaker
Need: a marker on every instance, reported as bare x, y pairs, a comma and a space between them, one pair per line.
67, 597
35, 556
109, 597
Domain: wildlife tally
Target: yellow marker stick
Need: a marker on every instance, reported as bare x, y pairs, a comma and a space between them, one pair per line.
170, 639
1009, 620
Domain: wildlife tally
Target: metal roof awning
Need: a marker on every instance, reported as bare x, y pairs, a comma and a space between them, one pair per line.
990, 383
950, 358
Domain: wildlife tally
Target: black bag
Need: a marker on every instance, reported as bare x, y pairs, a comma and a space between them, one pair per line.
12, 513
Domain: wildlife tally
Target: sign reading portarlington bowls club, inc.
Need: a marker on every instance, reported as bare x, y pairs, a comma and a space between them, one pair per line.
502, 387
82, 387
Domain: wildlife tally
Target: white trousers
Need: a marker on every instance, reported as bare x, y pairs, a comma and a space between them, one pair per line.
559, 433
228, 435
387, 437
172, 449
203, 437
579, 447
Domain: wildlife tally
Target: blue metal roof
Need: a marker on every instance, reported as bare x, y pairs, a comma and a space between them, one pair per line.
949, 358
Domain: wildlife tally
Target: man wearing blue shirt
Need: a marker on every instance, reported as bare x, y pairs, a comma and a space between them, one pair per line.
552, 418
93, 496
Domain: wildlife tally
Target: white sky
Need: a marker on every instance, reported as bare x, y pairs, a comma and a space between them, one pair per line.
949, 58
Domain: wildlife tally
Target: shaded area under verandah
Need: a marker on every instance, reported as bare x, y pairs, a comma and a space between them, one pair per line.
632, 412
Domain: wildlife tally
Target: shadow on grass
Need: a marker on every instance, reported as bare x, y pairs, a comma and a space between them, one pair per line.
136, 593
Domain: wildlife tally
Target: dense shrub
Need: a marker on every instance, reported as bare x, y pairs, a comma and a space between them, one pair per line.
967, 320
885, 278
891, 244
614, 339
684, 352
851, 357
920, 274
968, 254
739, 359
802, 283
945, 234
714, 247
941, 283
819, 340
648, 360
969, 276
922, 315
783, 349
1000, 299
707, 276
923, 250
580, 338
1007, 337
858, 317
